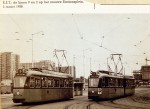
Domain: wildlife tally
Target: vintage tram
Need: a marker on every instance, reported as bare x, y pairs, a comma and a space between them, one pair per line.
37, 85
102, 86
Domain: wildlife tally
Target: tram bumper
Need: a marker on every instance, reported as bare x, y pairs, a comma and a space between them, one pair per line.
94, 93
18, 95
18, 100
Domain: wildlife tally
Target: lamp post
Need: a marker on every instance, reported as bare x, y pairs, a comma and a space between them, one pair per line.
32, 38
84, 63
40, 32
74, 73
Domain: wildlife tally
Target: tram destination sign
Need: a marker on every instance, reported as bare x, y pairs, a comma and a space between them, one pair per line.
20, 74
94, 76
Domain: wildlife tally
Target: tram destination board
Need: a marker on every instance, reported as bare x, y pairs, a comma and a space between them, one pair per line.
94, 76
20, 74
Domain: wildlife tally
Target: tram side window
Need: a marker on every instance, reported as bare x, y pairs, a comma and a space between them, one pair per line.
130, 82
62, 83
116, 82
38, 82
111, 82
66, 83
44, 82
127, 83
103, 82
133, 83
50, 82
70, 83
32, 82
106, 82
56, 82
120, 82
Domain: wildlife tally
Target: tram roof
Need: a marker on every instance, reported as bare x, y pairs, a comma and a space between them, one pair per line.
48, 73
107, 75
101, 75
117, 76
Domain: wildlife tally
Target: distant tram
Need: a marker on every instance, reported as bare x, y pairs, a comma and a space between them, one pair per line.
103, 86
36, 85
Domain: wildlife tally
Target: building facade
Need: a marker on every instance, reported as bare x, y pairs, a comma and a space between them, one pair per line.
47, 64
145, 72
67, 69
9, 64
137, 75
142, 76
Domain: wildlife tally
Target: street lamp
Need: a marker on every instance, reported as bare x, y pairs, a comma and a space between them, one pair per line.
84, 63
40, 32
84, 59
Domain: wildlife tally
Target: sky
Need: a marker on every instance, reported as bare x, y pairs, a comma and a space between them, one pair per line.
92, 36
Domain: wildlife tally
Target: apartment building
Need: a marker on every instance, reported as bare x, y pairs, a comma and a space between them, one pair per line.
47, 64
9, 64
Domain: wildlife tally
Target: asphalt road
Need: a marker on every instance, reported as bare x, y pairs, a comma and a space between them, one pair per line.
141, 100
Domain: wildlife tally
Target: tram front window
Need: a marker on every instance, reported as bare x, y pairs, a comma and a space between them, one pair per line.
19, 81
93, 82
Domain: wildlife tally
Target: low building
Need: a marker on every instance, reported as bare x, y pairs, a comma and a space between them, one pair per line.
145, 70
47, 64
78, 88
67, 69
137, 74
142, 76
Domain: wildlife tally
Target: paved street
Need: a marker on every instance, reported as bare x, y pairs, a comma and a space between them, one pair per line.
141, 100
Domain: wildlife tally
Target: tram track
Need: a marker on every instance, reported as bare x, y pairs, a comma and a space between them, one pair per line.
128, 102
142, 97
70, 105
89, 105
80, 105
19, 107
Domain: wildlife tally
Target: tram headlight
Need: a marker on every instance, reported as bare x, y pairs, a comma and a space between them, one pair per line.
17, 93
92, 91
99, 90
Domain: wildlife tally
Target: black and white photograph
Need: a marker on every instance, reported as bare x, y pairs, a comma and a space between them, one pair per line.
75, 61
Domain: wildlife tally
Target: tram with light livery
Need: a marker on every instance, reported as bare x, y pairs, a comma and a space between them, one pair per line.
102, 86
37, 85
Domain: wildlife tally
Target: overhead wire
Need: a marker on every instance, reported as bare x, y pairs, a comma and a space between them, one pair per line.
15, 23
78, 30
101, 45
